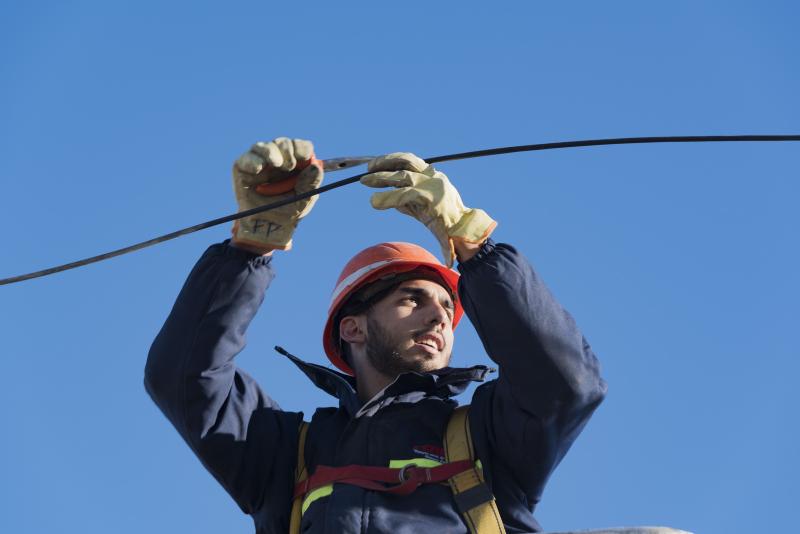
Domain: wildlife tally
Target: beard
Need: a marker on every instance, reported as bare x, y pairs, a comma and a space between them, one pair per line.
385, 352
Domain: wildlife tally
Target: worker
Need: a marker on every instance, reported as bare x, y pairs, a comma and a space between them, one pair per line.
390, 333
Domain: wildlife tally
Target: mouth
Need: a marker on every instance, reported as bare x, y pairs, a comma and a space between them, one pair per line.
431, 341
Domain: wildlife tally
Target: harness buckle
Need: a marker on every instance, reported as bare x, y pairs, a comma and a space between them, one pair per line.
403, 475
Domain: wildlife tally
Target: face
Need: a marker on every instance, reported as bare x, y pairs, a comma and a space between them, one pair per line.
411, 329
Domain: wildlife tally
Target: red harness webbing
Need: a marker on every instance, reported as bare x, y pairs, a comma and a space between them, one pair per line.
405, 479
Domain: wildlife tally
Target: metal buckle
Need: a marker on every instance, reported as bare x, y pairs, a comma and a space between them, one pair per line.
403, 470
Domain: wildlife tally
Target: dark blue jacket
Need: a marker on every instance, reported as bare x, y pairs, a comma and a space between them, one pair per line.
522, 423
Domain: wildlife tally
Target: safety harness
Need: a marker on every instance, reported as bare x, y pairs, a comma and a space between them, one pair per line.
461, 471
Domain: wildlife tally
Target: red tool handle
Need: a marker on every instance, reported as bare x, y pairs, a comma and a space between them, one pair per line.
277, 182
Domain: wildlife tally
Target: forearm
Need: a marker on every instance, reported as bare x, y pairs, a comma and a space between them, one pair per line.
542, 355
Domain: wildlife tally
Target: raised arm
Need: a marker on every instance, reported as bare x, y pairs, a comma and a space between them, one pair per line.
549, 382
237, 431
240, 434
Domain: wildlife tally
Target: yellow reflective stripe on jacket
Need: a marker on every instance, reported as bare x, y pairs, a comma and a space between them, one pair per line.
419, 462
318, 493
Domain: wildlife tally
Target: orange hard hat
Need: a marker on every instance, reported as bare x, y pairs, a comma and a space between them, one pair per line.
383, 262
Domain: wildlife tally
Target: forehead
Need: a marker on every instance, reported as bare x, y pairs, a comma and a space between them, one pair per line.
428, 286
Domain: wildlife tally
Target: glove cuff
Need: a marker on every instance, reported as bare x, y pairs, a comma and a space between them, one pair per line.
261, 235
473, 227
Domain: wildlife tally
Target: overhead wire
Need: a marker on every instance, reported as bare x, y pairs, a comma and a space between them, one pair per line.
356, 178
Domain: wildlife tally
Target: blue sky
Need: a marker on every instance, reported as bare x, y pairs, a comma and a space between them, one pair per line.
120, 121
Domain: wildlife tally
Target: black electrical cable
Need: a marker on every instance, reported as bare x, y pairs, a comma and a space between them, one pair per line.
436, 159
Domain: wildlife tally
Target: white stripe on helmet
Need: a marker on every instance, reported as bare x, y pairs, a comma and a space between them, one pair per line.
355, 276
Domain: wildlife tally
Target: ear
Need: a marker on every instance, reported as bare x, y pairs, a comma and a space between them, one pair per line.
352, 329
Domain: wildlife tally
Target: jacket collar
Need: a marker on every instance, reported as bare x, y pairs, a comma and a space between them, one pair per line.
444, 383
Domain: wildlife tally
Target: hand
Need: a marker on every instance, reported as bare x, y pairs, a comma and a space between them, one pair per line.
270, 162
427, 195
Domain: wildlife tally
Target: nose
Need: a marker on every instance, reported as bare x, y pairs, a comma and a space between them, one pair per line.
438, 314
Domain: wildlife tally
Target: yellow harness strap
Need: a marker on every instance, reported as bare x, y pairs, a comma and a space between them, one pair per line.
473, 497
300, 474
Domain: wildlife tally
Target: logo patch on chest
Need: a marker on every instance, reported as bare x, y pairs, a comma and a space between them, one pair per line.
431, 452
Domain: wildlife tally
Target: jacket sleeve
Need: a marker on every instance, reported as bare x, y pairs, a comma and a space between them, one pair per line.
549, 382
240, 434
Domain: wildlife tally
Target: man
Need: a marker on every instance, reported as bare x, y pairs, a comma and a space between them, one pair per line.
390, 332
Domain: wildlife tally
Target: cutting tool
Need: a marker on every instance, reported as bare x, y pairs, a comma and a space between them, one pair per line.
337, 164
279, 183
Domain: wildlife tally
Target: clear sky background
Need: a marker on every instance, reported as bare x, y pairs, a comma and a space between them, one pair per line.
119, 121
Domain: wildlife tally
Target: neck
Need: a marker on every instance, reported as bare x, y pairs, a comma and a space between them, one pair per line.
369, 381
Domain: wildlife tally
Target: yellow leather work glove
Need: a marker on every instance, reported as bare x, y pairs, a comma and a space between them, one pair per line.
427, 195
266, 167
